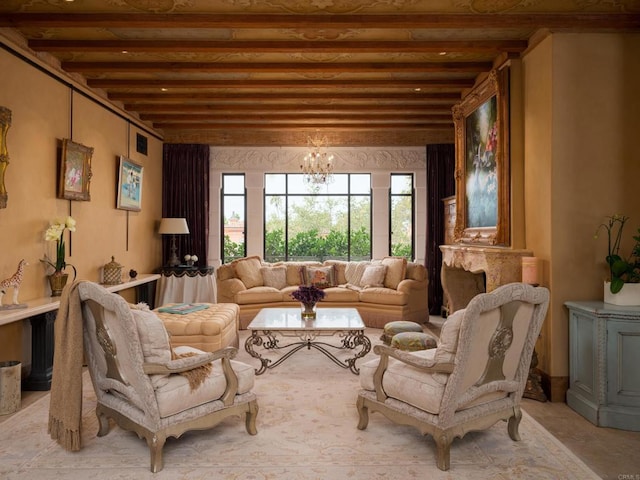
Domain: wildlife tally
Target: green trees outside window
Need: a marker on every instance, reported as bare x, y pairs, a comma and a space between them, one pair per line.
305, 222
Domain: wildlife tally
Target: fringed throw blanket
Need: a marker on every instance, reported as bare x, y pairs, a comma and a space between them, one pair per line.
65, 408
196, 375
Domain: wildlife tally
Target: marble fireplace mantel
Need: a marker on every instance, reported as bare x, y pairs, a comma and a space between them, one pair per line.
500, 265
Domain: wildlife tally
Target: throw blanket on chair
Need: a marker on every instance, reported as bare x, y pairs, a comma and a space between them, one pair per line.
65, 408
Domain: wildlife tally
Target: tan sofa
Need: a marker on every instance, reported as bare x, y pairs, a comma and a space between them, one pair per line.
382, 290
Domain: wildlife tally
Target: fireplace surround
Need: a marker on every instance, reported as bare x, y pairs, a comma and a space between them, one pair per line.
468, 270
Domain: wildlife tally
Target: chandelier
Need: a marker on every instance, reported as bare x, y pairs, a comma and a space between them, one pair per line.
317, 165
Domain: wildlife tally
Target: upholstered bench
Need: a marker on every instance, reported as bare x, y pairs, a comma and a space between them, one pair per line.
393, 328
209, 329
413, 341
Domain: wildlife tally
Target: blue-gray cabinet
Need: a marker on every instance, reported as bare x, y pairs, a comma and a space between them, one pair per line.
604, 363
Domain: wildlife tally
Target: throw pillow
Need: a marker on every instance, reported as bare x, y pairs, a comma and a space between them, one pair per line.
448, 342
154, 338
321, 277
353, 272
275, 277
373, 276
248, 270
396, 270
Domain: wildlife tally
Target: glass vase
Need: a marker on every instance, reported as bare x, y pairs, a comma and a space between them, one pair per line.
308, 310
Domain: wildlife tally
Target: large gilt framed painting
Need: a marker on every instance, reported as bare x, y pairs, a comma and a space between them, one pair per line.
74, 172
481, 122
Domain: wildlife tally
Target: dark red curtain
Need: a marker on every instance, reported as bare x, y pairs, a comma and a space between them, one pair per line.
441, 164
185, 194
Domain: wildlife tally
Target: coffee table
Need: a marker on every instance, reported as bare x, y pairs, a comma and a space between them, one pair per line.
272, 325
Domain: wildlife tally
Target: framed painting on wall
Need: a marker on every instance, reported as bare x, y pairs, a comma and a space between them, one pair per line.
481, 122
129, 185
74, 172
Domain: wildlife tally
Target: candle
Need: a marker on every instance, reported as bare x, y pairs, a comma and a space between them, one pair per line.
531, 269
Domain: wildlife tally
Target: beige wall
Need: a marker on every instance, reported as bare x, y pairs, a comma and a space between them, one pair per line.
581, 164
44, 110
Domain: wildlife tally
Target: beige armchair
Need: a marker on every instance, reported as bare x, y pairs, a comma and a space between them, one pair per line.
145, 387
474, 377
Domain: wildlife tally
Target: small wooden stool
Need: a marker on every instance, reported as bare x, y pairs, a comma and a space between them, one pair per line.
413, 341
400, 326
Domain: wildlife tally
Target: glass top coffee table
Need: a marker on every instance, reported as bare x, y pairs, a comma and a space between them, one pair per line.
283, 330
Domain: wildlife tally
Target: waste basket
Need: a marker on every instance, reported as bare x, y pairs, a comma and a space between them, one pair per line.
10, 395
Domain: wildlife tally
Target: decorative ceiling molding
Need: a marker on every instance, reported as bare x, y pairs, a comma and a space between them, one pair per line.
288, 159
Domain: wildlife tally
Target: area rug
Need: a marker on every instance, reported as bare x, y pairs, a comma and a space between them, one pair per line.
306, 430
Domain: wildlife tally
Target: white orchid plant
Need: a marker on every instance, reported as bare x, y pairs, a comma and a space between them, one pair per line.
55, 232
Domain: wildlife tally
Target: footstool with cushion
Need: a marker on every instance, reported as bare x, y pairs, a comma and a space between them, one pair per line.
393, 328
210, 329
413, 341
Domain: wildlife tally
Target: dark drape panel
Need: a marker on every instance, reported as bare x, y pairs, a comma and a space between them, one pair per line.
185, 194
441, 165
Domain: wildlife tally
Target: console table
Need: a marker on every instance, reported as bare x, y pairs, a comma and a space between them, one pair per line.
186, 284
42, 313
604, 349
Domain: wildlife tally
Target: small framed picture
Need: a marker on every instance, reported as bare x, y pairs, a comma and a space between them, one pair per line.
129, 185
74, 174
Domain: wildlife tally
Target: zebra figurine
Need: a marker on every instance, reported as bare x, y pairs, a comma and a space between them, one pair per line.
13, 281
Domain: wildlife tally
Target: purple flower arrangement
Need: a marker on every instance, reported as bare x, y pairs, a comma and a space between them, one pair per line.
308, 294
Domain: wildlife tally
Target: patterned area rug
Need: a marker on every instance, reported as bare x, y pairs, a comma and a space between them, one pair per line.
306, 430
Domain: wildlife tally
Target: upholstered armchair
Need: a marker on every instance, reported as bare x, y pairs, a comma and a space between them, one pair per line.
145, 386
474, 377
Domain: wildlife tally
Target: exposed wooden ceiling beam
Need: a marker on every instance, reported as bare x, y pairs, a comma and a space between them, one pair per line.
288, 67
336, 21
278, 117
290, 46
414, 97
126, 83
345, 108
368, 126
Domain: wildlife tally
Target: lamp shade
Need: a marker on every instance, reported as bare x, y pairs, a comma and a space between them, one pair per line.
174, 226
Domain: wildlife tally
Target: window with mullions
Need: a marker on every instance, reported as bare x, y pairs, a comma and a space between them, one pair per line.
317, 222
401, 215
233, 217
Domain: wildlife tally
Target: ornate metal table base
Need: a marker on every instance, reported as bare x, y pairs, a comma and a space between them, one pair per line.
350, 339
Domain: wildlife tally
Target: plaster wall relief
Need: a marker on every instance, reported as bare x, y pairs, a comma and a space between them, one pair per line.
288, 159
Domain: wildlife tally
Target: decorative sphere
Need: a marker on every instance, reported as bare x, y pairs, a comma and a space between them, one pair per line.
133, 273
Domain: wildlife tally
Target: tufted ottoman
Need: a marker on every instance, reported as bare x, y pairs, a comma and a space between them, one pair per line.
413, 341
393, 328
211, 329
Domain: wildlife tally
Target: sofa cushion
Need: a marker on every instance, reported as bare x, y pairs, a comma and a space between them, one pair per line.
293, 271
321, 277
248, 270
340, 294
384, 296
396, 270
354, 271
226, 271
340, 269
416, 271
373, 276
275, 277
259, 295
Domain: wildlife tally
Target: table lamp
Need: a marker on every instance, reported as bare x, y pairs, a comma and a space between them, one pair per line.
173, 227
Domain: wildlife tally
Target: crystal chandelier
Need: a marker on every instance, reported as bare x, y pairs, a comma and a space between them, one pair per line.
317, 165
